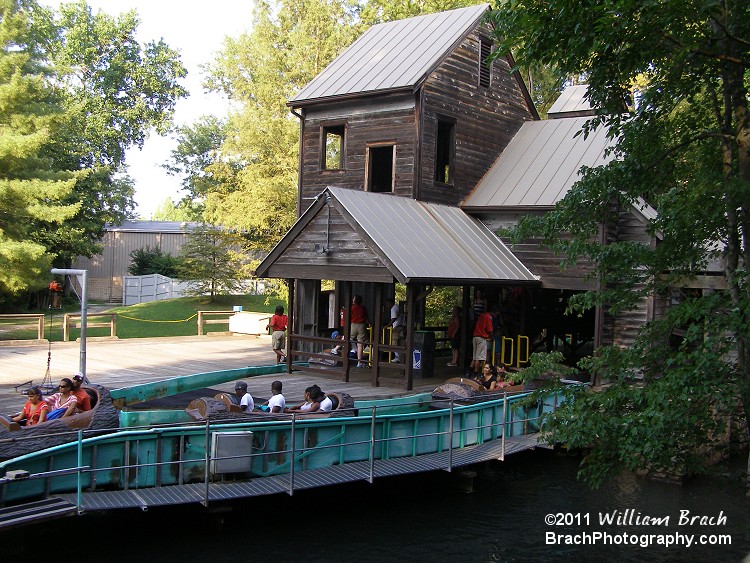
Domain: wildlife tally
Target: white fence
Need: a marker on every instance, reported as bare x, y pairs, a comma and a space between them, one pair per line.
153, 287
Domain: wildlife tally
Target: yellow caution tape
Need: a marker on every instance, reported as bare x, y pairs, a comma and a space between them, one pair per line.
153, 321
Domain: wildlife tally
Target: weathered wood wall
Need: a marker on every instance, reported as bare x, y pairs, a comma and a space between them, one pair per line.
390, 121
349, 257
486, 120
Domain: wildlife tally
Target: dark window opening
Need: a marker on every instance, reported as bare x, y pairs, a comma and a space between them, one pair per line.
446, 132
333, 148
485, 67
380, 169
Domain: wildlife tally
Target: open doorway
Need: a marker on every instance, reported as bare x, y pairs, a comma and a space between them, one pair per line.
380, 161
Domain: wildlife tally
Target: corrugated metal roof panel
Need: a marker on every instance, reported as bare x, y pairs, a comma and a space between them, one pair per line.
392, 55
430, 241
540, 164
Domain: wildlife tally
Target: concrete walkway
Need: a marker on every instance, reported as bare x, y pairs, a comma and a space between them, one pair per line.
122, 363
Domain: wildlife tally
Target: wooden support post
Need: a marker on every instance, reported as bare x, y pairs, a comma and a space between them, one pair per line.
376, 333
410, 319
347, 329
291, 326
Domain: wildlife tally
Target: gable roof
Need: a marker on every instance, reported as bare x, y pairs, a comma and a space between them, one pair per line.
415, 241
540, 165
396, 55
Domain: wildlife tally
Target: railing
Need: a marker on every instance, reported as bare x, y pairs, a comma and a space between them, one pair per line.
29, 320
283, 447
202, 320
73, 320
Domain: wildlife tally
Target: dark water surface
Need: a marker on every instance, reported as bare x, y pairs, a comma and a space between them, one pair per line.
422, 518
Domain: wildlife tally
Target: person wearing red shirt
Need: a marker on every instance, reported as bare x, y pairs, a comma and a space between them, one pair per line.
358, 331
278, 325
83, 399
35, 410
482, 334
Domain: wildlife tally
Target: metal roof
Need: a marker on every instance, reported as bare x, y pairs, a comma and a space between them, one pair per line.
572, 100
151, 227
391, 56
430, 242
540, 164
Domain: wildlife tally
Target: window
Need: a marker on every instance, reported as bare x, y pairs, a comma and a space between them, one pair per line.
444, 153
485, 68
333, 148
380, 168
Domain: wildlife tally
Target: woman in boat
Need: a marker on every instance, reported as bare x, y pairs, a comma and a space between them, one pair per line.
324, 403
64, 402
310, 405
488, 379
35, 410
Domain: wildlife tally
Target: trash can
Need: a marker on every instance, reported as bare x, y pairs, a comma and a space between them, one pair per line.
423, 354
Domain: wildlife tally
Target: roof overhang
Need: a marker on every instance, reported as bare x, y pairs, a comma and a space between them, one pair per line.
349, 234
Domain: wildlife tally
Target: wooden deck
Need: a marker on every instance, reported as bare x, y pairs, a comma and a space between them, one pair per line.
122, 363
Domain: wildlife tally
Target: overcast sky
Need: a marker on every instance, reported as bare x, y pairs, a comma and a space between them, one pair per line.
197, 30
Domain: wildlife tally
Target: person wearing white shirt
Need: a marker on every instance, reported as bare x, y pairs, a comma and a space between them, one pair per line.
277, 402
246, 399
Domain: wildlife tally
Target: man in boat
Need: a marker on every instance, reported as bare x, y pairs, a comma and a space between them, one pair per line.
277, 402
246, 399
83, 401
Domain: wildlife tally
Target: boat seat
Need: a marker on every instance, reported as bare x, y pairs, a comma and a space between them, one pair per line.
334, 401
93, 395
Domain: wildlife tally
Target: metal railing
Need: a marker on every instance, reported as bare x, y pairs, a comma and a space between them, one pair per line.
379, 444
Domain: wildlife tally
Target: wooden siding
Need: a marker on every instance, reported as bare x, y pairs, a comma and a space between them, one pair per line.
486, 120
363, 128
349, 256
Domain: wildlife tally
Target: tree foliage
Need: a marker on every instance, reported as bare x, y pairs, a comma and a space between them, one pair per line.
253, 182
684, 148
77, 91
31, 191
213, 260
146, 261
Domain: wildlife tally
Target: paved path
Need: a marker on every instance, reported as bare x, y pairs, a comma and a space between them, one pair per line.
121, 363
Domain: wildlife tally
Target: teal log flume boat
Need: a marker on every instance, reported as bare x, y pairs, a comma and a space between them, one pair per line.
214, 461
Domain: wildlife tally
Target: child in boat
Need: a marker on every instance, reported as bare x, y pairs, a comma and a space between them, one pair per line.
64, 402
277, 402
34, 411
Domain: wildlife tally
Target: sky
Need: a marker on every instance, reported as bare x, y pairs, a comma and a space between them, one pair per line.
197, 30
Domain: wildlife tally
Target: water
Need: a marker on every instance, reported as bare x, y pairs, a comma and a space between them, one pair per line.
422, 517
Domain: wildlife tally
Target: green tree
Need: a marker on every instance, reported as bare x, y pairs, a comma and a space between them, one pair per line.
30, 189
212, 259
145, 261
684, 148
197, 154
114, 91
181, 211
291, 41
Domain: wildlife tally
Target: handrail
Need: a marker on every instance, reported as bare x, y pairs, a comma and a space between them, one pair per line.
39, 322
202, 321
486, 428
69, 319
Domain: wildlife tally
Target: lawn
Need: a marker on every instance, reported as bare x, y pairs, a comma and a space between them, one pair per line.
170, 317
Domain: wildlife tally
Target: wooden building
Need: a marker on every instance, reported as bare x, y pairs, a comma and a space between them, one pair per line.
413, 153
403, 123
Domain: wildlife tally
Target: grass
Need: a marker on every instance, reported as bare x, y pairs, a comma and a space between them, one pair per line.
170, 317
